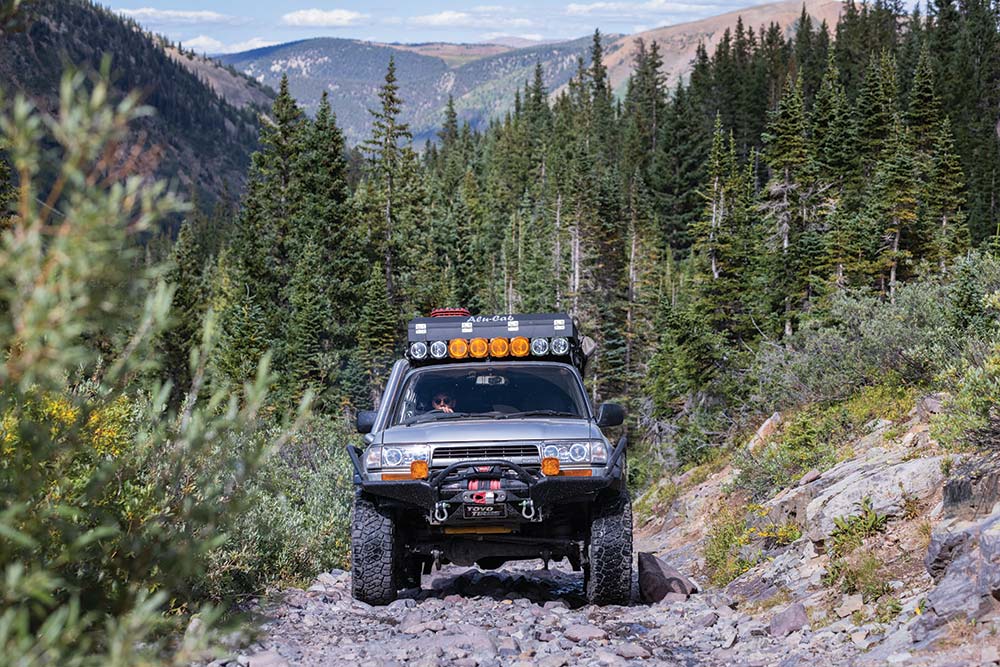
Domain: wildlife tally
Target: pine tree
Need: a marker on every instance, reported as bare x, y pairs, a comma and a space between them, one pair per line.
924, 111
386, 156
260, 259
377, 334
788, 204
830, 124
894, 210
307, 328
949, 235
322, 219
187, 309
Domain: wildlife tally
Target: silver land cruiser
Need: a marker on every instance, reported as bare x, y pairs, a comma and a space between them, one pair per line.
485, 449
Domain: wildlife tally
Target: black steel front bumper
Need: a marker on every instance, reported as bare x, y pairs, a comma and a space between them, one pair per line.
541, 490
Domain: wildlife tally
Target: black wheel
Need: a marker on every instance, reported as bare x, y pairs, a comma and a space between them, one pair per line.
375, 553
608, 579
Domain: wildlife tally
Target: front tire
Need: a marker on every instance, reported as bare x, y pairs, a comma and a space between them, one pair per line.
609, 576
375, 556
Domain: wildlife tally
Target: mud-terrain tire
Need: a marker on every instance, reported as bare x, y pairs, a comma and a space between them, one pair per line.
609, 579
375, 553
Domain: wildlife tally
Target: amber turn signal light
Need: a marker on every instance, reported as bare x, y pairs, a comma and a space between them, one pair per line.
520, 346
418, 469
499, 347
478, 347
458, 348
550, 466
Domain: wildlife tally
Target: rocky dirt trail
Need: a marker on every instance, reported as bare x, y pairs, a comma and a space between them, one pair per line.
517, 616
937, 599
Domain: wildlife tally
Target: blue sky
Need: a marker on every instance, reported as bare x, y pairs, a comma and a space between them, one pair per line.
217, 26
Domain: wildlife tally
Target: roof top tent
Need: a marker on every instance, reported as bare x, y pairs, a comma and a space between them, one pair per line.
453, 335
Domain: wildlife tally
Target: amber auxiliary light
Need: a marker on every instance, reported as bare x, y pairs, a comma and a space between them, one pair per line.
520, 346
458, 348
478, 347
499, 347
550, 466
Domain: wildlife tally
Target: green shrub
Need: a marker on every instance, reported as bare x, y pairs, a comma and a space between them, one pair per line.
850, 531
111, 504
727, 533
297, 518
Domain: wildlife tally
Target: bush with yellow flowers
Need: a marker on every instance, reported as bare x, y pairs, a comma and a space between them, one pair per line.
113, 503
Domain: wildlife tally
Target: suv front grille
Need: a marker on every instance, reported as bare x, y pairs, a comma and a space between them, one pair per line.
464, 452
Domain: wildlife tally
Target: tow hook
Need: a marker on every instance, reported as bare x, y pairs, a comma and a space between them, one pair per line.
440, 512
528, 510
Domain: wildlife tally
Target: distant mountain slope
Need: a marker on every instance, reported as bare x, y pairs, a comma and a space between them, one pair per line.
352, 71
455, 55
678, 43
201, 140
239, 90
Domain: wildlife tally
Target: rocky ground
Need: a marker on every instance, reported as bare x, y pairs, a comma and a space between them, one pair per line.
937, 603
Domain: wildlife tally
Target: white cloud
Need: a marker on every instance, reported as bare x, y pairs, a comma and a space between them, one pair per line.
206, 44
323, 18
649, 8
489, 9
531, 37
180, 17
451, 19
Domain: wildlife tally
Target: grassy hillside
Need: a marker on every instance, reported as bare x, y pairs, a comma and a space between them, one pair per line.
195, 139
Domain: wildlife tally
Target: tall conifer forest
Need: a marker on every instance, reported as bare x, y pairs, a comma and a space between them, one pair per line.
689, 229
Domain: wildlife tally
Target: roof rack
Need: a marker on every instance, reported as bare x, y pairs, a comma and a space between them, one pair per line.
447, 338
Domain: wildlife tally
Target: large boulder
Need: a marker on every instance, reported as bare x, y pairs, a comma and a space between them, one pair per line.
964, 560
657, 579
790, 505
973, 487
888, 488
789, 620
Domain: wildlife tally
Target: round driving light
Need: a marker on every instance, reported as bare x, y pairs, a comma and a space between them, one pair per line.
578, 452
419, 469
551, 452
458, 348
560, 346
478, 347
539, 346
418, 350
519, 346
392, 457
439, 349
499, 347
550, 467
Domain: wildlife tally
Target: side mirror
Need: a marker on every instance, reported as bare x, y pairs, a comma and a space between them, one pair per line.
610, 414
365, 421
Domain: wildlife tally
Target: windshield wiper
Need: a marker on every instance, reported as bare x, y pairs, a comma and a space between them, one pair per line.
539, 413
435, 416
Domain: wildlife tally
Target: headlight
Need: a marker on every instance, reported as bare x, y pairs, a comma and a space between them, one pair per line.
581, 451
401, 456
373, 458
439, 349
418, 350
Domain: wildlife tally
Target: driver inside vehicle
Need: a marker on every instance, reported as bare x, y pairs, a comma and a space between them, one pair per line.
443, 401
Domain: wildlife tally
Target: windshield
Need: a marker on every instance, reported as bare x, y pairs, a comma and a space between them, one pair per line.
497, 392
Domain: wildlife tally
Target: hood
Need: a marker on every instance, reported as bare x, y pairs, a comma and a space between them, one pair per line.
491, 430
